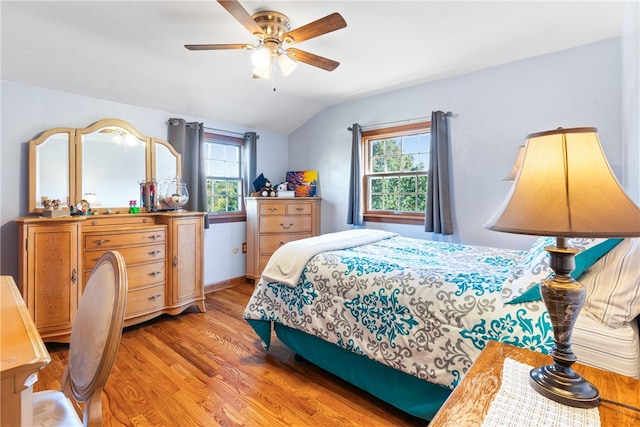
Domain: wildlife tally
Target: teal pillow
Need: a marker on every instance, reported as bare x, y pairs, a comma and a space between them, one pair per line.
533, 294
584, 260
588, 257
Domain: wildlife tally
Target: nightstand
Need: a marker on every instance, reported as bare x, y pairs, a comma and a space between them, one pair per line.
470, 401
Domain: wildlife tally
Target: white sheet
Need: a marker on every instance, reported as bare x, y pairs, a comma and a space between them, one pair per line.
288, 262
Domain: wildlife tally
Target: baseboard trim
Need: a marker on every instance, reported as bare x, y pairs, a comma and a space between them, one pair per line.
229, 283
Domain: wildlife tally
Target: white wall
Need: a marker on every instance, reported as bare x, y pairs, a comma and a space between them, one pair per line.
497, 108
27, 111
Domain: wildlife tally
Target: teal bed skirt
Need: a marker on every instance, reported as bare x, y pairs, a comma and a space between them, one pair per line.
410, 394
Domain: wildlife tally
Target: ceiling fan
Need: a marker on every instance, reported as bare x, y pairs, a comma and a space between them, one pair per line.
275, 39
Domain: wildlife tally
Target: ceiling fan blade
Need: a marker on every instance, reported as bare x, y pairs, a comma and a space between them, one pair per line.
218, 46
312, 59
325, 25
241, 15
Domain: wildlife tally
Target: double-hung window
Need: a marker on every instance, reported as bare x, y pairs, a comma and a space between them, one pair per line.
223, 157
396, 161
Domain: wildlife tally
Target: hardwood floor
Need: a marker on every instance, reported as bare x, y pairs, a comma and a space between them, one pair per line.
210, 370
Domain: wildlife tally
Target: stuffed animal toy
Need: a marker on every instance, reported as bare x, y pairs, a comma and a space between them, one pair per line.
282, 187
263, 187
267, 189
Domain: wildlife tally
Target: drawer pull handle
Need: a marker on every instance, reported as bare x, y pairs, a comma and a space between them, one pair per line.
94, 259
273, 209
145, 220
99, 242
287, 227
74, 276
154, 253
155, 236
175, 261
154, 297
299, 209
94, 222
155, 273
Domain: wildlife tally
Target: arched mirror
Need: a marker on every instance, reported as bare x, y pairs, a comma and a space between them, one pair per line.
113, 164
52, 179
103, 163
164, 161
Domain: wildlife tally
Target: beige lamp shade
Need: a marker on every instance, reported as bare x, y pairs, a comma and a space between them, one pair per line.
566, 188
516, 165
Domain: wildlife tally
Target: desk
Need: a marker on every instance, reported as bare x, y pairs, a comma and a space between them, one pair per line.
22, 355
470, 401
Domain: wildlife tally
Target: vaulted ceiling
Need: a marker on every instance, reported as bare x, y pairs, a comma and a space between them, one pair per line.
133, 52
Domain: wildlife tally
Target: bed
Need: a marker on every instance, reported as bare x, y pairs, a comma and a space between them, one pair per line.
404, 318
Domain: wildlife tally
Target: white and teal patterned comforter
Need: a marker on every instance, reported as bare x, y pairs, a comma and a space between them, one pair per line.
425, 308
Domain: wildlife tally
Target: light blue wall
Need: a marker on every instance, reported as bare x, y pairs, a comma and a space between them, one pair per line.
497, 108
28, 110
630, 46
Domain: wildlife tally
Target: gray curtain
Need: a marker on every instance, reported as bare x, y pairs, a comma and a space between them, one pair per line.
188, 140
437, 217
354, 209
249, 160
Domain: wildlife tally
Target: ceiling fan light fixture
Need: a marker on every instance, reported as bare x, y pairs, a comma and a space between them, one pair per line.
261, 58
263, 73
286, 64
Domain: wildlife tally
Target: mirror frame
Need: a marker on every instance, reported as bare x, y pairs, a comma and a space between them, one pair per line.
75, 137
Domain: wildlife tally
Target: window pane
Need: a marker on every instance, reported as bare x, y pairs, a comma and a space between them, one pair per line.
232, 154
411, 144
376, 185
216, 151
377, 164
376, 202
408, 184
391, 185
216, 168
408, 202
391, 202
422, 184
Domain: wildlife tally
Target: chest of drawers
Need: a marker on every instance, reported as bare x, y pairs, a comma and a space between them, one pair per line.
272, 222
162, 251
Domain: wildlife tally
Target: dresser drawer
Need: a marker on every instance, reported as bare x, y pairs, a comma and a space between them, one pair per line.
285, 224
117, 220
115, 240
272, 208
142, 275
270, 242
143, 301
305, 208
132, 255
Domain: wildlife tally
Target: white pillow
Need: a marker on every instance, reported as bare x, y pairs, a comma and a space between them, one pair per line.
534, 266
613, 285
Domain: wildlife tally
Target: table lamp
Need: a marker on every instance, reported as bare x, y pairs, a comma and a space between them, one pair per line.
565, 188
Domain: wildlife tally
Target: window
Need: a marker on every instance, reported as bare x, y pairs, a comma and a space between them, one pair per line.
224, 177
395, 173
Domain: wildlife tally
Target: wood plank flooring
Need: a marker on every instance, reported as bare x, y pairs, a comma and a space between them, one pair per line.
210, 370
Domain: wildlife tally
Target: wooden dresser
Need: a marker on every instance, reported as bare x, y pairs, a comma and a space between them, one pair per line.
163, 253
274, 221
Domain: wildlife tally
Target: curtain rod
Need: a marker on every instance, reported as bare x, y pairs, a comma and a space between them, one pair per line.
174, 122
223, 130
448, 114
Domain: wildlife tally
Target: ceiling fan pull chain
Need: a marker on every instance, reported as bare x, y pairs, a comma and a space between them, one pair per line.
274, 70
